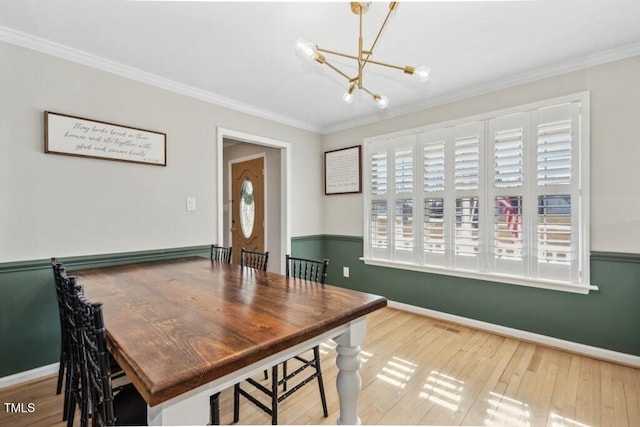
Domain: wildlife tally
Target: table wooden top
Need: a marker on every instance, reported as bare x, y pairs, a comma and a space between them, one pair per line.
178, 324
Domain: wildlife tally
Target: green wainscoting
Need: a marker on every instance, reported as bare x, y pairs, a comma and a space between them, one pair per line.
608, 318
29, 320
308, 246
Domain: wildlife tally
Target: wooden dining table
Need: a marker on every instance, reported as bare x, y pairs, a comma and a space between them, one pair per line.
187, 328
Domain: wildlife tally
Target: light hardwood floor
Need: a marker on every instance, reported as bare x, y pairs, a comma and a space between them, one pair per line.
418, 370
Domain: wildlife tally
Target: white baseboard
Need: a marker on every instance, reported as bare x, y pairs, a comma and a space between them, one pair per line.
29, 375
586, 350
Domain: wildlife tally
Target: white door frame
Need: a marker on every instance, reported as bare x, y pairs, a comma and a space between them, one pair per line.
285, 172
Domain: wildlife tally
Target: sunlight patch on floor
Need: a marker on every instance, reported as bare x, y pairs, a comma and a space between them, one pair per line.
443, 390
365, 356
560, 421
504, 411
397, 372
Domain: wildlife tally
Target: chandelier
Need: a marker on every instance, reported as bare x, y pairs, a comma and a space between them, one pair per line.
314, 52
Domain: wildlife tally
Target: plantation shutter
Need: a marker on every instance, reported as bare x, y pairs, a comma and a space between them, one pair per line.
554, 150
435, 226
557, 216
378, 224
507, 194
404, 226
433, 164
467, 162
379, 173
467, 141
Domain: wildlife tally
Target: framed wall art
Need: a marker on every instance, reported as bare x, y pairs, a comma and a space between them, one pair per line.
77, 136
343, 170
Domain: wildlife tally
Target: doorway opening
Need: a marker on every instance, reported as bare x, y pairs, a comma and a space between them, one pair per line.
237, 148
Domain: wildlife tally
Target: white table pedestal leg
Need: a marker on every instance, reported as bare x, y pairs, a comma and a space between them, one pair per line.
349, 381
190, 408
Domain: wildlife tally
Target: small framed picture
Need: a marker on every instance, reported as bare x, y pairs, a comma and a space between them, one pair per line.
343, 170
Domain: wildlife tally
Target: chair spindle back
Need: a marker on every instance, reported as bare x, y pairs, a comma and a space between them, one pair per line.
307, 268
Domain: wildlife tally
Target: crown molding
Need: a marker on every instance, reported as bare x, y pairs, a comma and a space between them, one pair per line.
55, 49
575, 64
84, 58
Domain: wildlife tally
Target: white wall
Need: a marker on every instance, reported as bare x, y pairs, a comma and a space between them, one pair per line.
615, 147
64, 206
52, 205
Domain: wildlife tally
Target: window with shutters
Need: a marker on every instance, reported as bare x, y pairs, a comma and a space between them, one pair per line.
502, 196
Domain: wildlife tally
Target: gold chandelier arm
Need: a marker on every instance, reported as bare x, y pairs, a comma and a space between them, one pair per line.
392, 7
368, 91
408, 69
337, 70
381, 100
333, 52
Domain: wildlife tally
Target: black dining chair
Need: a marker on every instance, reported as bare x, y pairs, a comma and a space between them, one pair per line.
58, 274
76, 379
69, 352
254, 259
306, 269
220, 253
314, 270
126, 407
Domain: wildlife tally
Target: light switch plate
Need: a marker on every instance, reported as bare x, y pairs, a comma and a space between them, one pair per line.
191, 204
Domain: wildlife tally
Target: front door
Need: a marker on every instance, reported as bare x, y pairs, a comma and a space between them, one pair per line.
247, 206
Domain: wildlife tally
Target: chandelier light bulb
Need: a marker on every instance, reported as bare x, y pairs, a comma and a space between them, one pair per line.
422, 73
381, 101
348, 95
360, 6
306, 48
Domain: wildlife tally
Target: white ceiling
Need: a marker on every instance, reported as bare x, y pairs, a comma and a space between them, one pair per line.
242, 54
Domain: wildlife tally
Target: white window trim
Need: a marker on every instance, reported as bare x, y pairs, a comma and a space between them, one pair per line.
581, 175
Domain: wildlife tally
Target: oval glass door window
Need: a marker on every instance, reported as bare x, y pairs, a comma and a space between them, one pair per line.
247, 208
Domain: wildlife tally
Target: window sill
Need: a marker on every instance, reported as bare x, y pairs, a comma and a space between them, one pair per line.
541, 284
